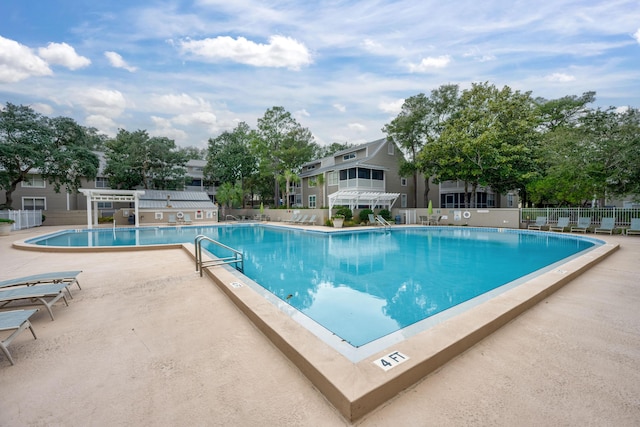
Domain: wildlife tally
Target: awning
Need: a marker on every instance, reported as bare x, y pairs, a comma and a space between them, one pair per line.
353, 199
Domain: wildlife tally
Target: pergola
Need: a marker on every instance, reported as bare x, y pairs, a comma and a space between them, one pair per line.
353, 199
97, 195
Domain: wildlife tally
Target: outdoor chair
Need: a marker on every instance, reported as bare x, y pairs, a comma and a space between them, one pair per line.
311, 221
172, 220
16, 321
46, 295
607, 225
372, 220
584, 222
302, 220
541, 222
562, 225
69, 277
424, 220
293, 219
634, 228
187, 219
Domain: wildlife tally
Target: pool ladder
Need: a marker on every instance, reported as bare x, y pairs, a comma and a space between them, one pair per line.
236, 257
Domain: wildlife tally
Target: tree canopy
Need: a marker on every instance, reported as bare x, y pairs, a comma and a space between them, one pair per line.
135, 159
56, 148
281, 143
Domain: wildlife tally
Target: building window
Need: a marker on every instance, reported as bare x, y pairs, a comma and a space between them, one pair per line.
312, 167
105, 205
403, 200
391, 149
332, 178
510, 200
377, 174
403, 182
349, 156
102, 182
33, 181
34, 203
312, 201
364, 173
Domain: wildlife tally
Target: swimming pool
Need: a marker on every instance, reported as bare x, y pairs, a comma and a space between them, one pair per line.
360, 290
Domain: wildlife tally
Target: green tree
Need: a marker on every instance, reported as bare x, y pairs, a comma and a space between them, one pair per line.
135, 159
229, 158
193, 153
58, 149
597, 158
281, 143
289, 177
229, 194
490, 141
421, 122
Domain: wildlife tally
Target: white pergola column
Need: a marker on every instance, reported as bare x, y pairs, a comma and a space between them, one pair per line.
89, 205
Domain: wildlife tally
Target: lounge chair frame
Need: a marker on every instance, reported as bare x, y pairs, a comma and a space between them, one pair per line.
46, 295
562, 225
607, 225
16, 321
634, 228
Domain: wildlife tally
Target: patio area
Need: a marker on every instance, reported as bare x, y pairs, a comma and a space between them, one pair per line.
148, 342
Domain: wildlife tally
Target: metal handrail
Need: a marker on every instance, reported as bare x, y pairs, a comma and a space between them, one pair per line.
237, 258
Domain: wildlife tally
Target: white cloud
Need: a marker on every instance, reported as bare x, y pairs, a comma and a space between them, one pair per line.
340, 107
206, 118
392, 107
17, 62
359, 127
430, 63
179, 103
104, 102
301, 114
636, 35
63, 54
104, 124
279, 52
116, 61
560, 77
42, 108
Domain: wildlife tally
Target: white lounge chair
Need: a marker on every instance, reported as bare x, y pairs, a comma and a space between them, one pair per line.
302, 220
541, 222
584, 222
563, 223
187, 219
293, 219
634, 228
311, 221
172, 220
46, 295
16, 321
607, 225
69, 277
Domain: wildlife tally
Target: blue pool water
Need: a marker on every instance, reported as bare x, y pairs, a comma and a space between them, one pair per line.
363, 285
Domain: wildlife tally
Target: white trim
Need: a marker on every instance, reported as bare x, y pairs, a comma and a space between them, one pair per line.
355, 198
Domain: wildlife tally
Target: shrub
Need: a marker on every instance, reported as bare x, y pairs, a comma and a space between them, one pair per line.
344, 211
364, 215
386, 214
9, 221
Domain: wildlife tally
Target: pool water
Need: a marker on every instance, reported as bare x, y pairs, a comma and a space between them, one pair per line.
364, 285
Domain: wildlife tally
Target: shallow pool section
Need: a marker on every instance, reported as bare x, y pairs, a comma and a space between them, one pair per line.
367, 289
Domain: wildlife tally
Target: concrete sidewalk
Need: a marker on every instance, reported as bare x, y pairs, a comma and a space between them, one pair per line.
148, 342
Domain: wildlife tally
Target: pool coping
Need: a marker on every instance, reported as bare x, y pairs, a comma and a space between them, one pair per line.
356, 389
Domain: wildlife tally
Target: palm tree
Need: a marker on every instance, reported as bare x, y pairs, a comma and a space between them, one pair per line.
290, 177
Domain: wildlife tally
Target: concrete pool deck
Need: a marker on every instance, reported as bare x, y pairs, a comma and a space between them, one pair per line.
149, 342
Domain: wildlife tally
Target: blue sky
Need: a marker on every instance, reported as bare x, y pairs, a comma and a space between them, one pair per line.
190, 70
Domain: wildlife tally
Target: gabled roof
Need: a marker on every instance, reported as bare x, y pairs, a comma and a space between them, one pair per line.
329, 163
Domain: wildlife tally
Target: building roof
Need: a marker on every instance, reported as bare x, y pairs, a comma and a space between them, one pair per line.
329, 163
162, 199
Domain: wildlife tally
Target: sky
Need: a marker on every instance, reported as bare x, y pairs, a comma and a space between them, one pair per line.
190, 70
